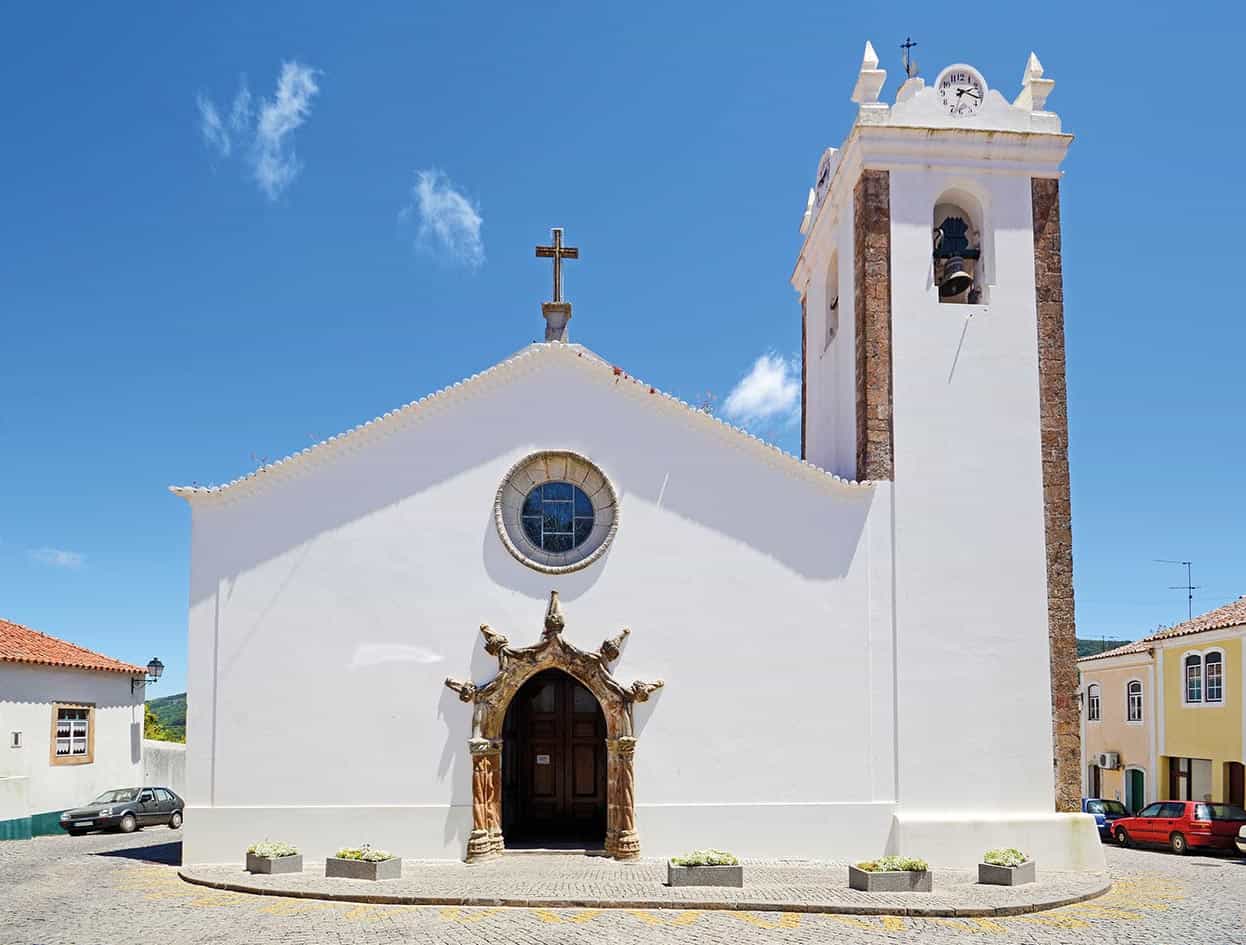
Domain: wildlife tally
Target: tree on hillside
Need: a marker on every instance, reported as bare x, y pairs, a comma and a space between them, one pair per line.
153, 728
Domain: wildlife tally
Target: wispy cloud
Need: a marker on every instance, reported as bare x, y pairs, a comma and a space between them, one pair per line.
769, 391
215, 134
449, 222
57, 557
275, 162
263, 136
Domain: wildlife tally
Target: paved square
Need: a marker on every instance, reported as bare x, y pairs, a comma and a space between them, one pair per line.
101, 890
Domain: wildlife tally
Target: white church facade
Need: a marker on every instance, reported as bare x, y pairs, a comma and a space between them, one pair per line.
647, 631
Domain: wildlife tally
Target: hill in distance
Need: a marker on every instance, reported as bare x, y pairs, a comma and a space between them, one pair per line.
171, 710
1084, 648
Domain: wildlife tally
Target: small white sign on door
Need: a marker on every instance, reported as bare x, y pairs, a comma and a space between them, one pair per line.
542, 759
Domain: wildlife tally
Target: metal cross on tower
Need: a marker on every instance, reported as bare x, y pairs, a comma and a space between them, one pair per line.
558, 253
910, 67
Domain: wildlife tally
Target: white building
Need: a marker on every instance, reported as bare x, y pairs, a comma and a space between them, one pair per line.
854, 654
72, 724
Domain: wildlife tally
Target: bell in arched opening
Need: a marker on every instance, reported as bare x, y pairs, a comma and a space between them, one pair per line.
954, 258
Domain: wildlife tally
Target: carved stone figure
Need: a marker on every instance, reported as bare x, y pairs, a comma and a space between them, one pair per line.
609, 649
554, 621
495, 643
466, 690
641, 691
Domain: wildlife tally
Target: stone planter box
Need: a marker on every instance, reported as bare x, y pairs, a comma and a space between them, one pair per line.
890, 882
1007, 875
275, 864
704, 875
362, 869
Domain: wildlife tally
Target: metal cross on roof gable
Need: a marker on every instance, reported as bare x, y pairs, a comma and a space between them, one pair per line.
558, 253
910, 67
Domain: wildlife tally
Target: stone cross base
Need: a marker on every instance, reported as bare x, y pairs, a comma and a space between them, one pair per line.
557, 314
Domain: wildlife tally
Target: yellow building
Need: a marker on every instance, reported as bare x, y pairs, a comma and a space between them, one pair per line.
1164, 718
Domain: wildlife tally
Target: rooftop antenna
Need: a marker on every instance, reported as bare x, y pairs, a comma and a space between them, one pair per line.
1189, 587
910, 64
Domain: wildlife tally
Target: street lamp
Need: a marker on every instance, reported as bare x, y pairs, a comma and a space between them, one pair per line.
155, 669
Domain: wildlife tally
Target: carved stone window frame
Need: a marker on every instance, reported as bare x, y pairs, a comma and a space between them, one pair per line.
556, 466
489, 705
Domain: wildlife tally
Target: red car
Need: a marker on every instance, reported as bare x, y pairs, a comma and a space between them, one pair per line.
1181, 825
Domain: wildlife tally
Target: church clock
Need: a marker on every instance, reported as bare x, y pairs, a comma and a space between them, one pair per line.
961, 90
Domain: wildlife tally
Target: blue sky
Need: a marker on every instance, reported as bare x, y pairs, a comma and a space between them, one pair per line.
174, 313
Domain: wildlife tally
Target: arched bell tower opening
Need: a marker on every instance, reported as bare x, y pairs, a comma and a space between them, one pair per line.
961, 248
554, 764
541, 684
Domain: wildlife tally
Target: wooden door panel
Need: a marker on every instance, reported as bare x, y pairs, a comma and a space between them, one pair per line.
584, 771
559, 742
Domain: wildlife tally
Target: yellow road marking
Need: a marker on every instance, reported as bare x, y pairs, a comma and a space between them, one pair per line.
787, 920
464, 917
578, 917
851, 920
653, 918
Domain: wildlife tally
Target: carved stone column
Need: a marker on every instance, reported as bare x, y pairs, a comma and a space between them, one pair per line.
495, 801
622, 841
486, 798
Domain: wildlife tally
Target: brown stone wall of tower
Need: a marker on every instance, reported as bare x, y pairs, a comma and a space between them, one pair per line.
1054, 432
871, 203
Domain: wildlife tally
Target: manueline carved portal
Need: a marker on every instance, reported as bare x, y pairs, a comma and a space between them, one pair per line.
490, 702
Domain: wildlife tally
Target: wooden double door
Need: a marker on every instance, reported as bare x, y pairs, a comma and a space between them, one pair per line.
554, 763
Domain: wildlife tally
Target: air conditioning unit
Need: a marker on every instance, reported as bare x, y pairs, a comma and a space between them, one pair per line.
1109, 760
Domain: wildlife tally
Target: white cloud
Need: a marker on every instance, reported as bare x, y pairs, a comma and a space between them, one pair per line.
57, 557
266, 135
214, 132
770, 391
449, 222
275, 162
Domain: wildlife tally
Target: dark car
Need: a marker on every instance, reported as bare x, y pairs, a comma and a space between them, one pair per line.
125, 809
1105, 813
1182, 824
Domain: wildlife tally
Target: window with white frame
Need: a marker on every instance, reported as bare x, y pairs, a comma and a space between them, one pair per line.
15, 739
1193, 678
1092, 703
72, 738
1213, 677
1134, 700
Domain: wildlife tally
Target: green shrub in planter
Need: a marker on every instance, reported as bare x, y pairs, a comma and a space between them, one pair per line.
271, 857
365, 853
891, 874
1007, 867
706, 858
1010, 856
705, 868
894, 864
363, 863
271, 849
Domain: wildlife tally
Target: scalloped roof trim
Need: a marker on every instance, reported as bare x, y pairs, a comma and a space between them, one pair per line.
394, 420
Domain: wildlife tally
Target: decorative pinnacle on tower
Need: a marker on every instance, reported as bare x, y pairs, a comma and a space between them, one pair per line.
557, 312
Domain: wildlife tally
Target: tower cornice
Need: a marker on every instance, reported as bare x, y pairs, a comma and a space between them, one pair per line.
899, 147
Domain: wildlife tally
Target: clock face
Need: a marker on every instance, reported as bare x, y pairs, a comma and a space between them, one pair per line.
960, 90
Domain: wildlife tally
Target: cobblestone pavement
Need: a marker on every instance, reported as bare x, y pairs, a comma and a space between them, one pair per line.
544, 880
101, 890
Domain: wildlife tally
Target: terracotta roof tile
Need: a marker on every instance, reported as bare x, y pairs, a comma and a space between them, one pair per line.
20, 644
1232, 614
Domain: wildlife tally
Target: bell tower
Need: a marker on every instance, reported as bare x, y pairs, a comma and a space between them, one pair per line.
933, 337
